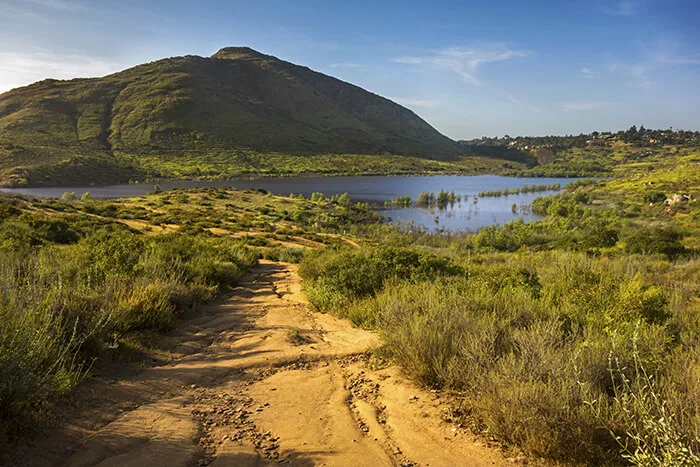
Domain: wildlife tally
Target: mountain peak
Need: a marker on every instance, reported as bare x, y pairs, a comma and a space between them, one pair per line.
240, 101
239, 53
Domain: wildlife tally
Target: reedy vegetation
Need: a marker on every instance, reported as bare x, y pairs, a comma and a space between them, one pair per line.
526, 337
63, 305
429, 199
79, 278
566, 337
574, 338
524, 189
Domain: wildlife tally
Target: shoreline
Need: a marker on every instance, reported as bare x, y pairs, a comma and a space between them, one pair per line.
8, 186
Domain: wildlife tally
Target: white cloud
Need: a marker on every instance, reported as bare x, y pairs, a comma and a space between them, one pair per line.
658, 55
465, 61
639, 73
586, 105
588, 73
624, 8
20, 69
636, 74
412, 102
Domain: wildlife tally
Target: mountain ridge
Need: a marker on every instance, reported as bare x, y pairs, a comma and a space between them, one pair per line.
238, 100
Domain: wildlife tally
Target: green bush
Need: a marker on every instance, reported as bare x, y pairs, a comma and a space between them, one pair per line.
7, 210
599, 237
60, 306
284, 254
32, 229
144, 304
653, 434
359, 273
525, 338
509, 237
654, 197
666, 241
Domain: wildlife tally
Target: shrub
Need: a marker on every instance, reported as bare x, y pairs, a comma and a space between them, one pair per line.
652, 434
654, 197
425, 199
318, 197
36, 365
508, 237
360, 273
143, 305
600, 237
59, 306
284, 254
7, 211
68, 196
666, 241
525, 338
33, 229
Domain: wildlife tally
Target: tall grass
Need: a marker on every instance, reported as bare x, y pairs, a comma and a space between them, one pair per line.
653, 435
338, 276
523, 190
61, 306
527, 337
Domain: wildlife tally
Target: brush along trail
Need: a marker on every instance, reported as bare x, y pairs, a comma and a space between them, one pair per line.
260, 380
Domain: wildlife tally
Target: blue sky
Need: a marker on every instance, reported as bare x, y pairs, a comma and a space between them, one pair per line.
471, 69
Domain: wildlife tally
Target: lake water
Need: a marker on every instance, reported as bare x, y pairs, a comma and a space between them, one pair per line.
469, 215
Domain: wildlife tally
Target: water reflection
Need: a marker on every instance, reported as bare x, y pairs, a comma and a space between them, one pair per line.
467, 211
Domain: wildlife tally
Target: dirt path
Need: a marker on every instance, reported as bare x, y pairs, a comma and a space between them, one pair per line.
260, 380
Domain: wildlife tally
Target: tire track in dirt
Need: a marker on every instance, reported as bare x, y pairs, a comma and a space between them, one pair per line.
260, 380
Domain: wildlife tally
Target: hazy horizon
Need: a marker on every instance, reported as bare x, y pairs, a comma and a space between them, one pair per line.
468, 70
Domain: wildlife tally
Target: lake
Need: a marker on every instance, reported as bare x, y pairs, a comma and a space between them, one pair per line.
468, 215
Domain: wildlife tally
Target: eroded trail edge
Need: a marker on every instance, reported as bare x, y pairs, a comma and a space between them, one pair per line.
260, 380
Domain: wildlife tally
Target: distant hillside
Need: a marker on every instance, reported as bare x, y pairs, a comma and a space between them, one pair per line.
231, 108
597, 154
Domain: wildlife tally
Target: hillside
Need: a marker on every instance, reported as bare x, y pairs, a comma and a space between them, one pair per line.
598, 154
224, 110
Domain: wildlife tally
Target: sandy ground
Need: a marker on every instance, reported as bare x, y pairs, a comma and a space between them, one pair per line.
259, 380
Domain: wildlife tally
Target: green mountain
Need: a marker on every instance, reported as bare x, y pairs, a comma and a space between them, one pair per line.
212, 116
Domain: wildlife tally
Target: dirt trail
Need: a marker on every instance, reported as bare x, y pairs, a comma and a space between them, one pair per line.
259, 380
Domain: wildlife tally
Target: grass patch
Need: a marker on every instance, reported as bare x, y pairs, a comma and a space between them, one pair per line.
527, 339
